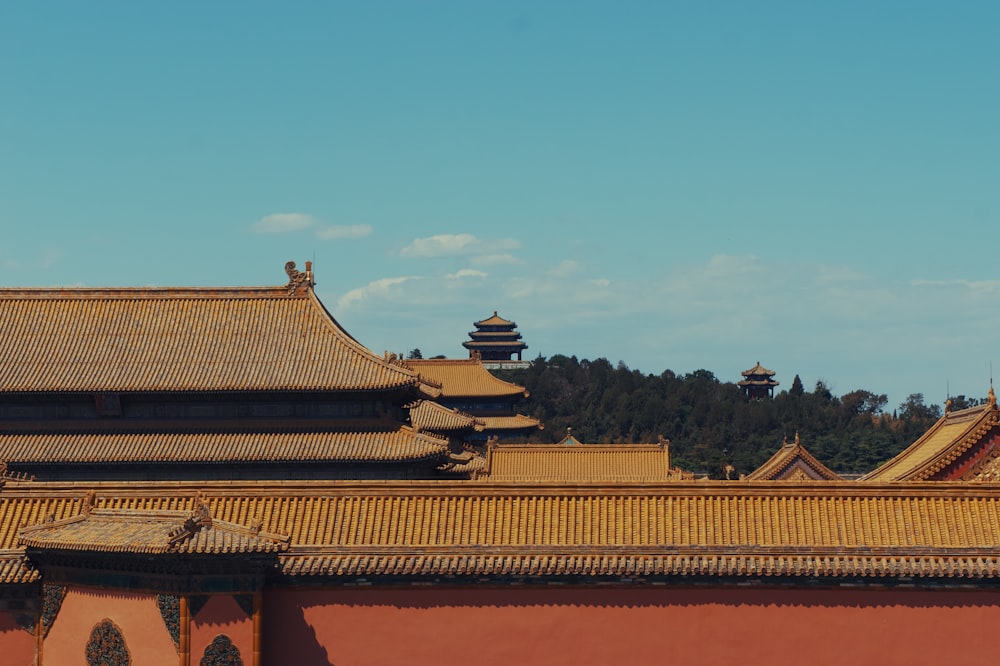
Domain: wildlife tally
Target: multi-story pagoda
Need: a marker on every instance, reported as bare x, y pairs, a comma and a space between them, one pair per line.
496, 341
758, 382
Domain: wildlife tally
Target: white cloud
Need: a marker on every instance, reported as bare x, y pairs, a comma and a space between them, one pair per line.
344, 231
566, 268
378, 288
455, 244
494, 259
464, 273
281, 223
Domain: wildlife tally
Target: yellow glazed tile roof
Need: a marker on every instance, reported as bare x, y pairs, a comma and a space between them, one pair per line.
512, 422
462, 378
835, 529
494, 320
375, 445
586, 463
429, 415
793, 462
150, 532
182, 339
951, 436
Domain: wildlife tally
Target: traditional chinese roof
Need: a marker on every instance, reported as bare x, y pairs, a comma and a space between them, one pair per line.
429, 415
793, 462
847, 530
182, 339
954, 447
367, 443
151, 533
464, 378
495, 320
511, 423
758, 370
569, 460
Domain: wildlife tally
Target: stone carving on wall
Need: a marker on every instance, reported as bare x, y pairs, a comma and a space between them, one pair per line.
221, 652
170, 611
52, 598
106, 646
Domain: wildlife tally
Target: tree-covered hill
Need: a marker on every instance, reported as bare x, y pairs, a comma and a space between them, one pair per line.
711, 424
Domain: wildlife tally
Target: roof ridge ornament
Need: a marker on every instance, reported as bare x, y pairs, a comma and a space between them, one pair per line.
297, 280
200, 518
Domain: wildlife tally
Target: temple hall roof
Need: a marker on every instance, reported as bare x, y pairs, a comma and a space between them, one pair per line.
368, 443
463, 378
569, 460
429, 415
151, 533
793, 462
943, 447
146, 339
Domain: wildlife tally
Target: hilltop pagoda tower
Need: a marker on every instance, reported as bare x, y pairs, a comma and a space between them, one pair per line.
758, 382
495, 341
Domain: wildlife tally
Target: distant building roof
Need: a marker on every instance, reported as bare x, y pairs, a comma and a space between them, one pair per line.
957, 446
792, 462
464, 377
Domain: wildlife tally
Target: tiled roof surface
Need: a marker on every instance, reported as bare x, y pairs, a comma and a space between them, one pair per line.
513, 422
586, 463
706, 528
464, 377
429, 415
495, 320
382, 445
788, 460
149, 532
181, 339
951, 436
757, 370
14, 568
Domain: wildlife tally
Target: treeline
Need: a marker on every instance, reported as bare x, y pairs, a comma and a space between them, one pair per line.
712, 427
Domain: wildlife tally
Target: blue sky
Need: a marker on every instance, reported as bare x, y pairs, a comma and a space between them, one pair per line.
675, 185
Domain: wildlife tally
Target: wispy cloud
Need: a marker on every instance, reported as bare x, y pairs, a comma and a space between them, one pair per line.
337, 232
443, 245
381, 289
282, 223
465, 273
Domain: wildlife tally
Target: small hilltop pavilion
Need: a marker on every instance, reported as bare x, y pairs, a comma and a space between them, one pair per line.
496, 341
758, 382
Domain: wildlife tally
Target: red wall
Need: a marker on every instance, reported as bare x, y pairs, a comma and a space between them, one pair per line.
17, 646
523, 626
222, 615
137, 615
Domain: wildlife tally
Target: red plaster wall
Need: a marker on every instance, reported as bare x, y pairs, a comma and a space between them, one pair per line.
222, 615
17, 646
137, 615
524, 626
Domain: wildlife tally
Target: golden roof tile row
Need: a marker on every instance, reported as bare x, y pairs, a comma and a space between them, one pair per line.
191, 339
150, 532
400, 445
585, 463
428, 415
462, 378
709, 528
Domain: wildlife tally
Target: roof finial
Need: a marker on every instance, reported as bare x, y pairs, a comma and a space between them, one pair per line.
992, 397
